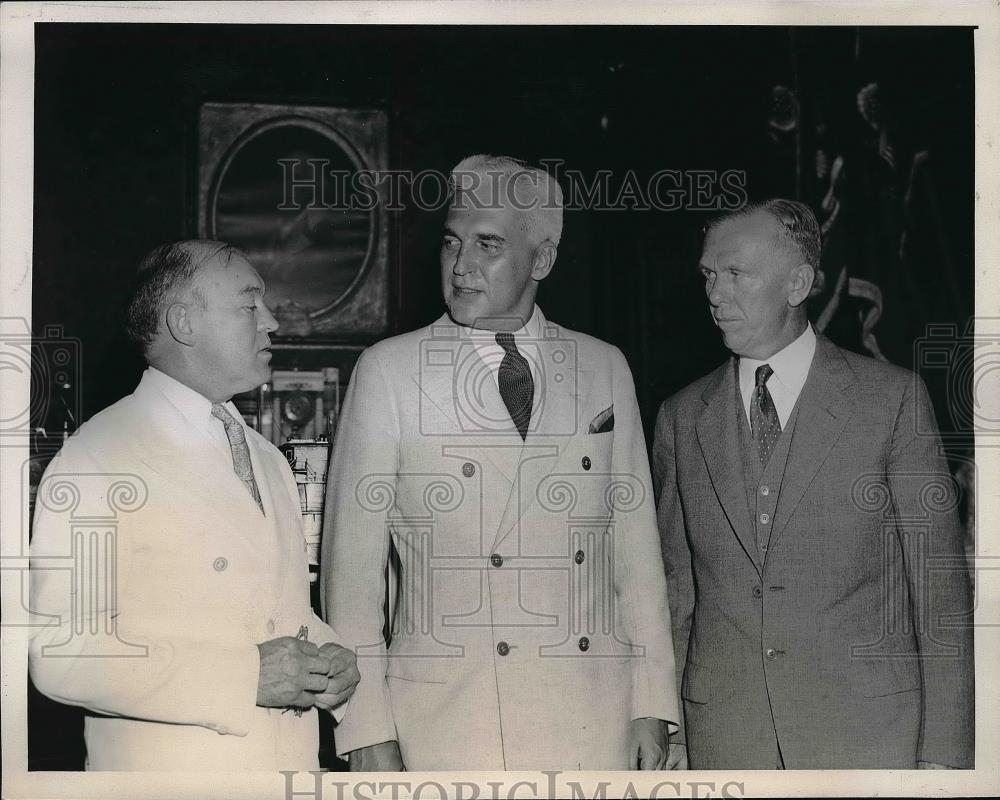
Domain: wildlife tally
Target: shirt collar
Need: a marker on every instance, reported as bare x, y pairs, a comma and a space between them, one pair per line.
193, 406
790, 365
530, 331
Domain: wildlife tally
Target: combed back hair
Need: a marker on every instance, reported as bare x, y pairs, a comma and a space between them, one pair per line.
164, 274
512, 181
799, 228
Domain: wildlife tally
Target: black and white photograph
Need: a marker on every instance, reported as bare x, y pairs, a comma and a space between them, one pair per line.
495, 400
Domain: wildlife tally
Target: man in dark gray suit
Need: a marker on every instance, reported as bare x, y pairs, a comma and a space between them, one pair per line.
821, 610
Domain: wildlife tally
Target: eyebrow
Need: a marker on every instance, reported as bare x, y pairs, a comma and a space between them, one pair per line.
488, 237
252, 289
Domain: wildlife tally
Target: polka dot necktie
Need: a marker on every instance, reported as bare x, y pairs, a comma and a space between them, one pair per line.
763, 416
516, 385
241, 452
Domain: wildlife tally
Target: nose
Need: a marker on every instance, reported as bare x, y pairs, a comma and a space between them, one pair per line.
266, 321
461, 265
714, 291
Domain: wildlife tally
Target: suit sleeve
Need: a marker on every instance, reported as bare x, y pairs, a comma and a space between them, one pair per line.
673, 539
639, 576
296, 591
356, 546
105, 658
938, 580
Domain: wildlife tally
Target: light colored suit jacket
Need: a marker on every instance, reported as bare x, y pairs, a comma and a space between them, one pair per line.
160, 576
532, 621
853, 639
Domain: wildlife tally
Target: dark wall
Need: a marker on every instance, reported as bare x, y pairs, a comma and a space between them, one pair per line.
115, 108
114, 143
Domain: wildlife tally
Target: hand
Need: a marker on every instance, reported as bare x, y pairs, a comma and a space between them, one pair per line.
290, 671
648, 744
677, 758
382, 757
342, 677
932, 765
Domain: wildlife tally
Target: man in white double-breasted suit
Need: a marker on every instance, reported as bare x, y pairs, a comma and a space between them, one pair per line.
503, 458
168, 554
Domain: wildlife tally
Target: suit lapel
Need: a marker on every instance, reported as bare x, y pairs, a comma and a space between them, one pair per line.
719, 438
279, 529
556, 416
460, 399
184, 460
824, 409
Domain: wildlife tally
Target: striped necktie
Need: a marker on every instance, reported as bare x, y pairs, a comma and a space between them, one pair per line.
241, 452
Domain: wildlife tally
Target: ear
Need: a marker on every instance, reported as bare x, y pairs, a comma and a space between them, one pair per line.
545, 259
179, 324
800, 281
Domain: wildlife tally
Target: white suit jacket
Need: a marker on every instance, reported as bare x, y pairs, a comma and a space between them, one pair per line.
532, 621
160, 576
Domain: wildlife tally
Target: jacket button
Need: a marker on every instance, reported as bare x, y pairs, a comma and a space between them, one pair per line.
585, 462
771, 654
756, 591
496, 560
468, 469
579, 557
584, 644
503, 648
220, 564
765, 518
765, 490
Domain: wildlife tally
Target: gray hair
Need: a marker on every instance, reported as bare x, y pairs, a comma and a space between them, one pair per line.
164, 273
799, 228
531, 189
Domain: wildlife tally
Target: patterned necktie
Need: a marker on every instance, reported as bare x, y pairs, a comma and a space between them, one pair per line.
516, 386
763, 417
241, 452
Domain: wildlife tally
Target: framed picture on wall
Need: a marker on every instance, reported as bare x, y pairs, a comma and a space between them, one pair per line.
296, 188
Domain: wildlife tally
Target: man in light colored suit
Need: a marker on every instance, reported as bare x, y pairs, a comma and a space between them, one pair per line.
168, 554
503, 458
820, 603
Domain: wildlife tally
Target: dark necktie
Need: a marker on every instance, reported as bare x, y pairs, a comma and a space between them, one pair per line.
241, 452
763, 416
516, 386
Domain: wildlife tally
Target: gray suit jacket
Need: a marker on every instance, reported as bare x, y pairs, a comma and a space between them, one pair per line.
863, 598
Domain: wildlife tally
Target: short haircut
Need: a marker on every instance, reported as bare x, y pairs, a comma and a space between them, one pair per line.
164, 273
799, 228
534, 191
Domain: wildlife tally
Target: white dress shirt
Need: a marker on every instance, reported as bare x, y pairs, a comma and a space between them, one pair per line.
791, 367
526, 339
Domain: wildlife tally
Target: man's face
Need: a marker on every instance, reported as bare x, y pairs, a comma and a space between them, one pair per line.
486, 267
232, 346
748, 284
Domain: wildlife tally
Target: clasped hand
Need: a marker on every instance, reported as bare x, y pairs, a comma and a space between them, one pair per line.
297, 674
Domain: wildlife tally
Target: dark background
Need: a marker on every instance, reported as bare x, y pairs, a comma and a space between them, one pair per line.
115, 110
